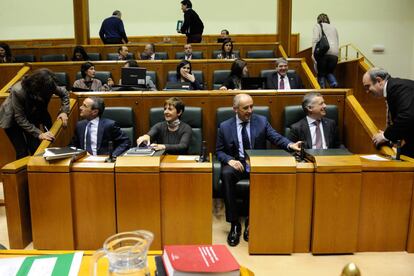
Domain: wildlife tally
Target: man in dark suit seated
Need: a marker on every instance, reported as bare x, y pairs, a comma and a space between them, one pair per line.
315, 131
399, 96
282, 79
245, 130
93, 133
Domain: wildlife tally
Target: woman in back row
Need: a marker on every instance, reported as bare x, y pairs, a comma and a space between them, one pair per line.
5, 53
184, 74
88, 80
238, 71
227, 50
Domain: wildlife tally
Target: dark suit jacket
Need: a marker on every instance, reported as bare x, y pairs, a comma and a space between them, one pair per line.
294, 81
107, 131
192, 23
227, 147
400, 99
300, 132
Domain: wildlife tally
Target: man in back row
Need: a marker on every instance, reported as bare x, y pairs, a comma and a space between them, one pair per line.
242, 132
112, 30
282, 79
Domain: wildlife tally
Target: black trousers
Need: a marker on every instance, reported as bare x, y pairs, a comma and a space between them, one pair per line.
229, 179
326, 65
194, 38
24, 143
113, 41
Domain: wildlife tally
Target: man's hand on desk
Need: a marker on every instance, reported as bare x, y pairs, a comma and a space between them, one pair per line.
158, 146
143, 139
295, 146
237, 165
379, 138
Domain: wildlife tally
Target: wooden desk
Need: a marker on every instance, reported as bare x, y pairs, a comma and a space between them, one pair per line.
386, 197
272, 202
87, 257
138, 195
50, 203
336, 204
186, 201
93, 202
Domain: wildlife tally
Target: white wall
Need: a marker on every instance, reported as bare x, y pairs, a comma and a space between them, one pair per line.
365, 23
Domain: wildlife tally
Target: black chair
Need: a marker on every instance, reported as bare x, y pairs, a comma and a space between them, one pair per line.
94, 56
198, 74
63, 79
125, 119
193, 116
219, 76
54, 57
216, 52
196, 55
242, 187
25, 58
294, 113
100, 75
161, 55
153, 76
114, 56
260, 54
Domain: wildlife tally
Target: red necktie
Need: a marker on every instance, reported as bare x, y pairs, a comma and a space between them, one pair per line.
282, 83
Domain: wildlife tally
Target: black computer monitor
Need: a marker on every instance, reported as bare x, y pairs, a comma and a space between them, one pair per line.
177, 86
134, 76
253, 83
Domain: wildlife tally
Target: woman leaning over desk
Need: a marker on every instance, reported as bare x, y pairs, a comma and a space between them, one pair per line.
25, 109
171, 135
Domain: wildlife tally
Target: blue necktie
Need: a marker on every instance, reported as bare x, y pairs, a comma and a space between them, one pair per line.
88, 143
246, 144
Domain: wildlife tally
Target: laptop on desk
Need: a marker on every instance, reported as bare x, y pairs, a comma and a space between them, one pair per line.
253, 83
177, 86
134, 76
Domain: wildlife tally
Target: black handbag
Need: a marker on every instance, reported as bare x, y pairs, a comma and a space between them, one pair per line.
322, 46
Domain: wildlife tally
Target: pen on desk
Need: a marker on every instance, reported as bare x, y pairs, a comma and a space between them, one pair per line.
47, 130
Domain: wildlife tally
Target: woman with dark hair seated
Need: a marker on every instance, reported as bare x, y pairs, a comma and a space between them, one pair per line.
5, 53
227, 50
171, 135
88, 80
184, 75
238, 71
26, 109
150, 84
79, 54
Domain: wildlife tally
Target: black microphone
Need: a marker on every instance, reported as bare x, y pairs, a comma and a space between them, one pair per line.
398, 154
111, 158
203, 153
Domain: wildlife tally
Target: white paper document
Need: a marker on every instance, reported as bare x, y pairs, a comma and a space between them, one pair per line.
92, 158
188, 158
374, 157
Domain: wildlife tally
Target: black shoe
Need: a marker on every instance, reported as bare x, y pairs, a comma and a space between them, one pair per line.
246, 230
233, 237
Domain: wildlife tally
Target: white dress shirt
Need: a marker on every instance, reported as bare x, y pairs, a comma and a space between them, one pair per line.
94, 134
285, 81
312, 128
239, 135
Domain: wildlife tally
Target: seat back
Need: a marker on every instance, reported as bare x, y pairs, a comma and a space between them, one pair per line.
63, 79
25, 58
294, 113
100, 75
260, 54
125, 119
153, 76
196, 55
193, 116
161, 55
225, 113
94, 56
219, 76
267, 72
216, 52
114, 56
54, 57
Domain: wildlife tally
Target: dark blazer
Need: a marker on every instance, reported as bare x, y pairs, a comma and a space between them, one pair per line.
300, 132
227, 147
107, 131
294, 81
400, 99
192, 23
193, 85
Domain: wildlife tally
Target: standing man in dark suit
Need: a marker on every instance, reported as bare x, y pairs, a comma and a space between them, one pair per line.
192, 27
316, 131
94, 133
399, 94
282, 79
112, 30
244, 131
